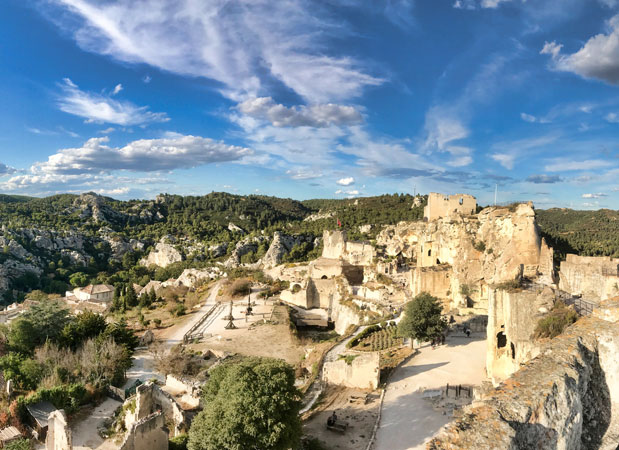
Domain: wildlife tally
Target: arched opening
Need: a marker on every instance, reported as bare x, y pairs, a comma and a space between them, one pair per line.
324, 277
513, 350
430, 252
501, 340
438, 262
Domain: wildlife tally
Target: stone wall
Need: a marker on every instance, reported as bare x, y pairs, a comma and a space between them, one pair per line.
362, 371
566, 398
433, 280
440, 205
595, 278
512, 318
149, 433
58, 432
336, 246
149, 399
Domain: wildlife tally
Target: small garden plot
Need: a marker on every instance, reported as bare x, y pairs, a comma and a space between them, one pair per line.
380, 339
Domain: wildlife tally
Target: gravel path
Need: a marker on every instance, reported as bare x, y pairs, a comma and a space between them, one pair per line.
408, 421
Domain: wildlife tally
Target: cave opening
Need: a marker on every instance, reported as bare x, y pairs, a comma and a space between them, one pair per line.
501, 340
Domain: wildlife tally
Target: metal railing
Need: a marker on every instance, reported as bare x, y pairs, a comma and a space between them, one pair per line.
192, 334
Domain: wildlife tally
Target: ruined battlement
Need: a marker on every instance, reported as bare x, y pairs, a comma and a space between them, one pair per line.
440, 205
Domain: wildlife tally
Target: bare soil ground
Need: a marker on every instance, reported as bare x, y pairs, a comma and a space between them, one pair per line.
359, 416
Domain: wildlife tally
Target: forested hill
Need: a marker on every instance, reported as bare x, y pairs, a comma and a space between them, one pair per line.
588, 233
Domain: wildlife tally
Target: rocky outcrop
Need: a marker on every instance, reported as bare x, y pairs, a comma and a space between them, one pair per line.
595, 278
566, 398
497, 245
247, 245
192, 277
163, 255
280, 247
337, 246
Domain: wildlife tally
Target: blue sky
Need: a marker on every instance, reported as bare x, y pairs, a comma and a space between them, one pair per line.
307, 99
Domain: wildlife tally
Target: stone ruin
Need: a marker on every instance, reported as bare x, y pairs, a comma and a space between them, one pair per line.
58, 432
148, 433
361, 370
594, 278
440, 205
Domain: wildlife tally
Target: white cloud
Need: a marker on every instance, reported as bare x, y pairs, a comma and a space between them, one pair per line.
444, 130
107, 130
504, 159
565, 165
346, 181
243, 45
612, 118
533, 119
145, 155
304, 173
492, 3
598, 58
117, 89
596, 195
474, 4
102, 109
146, 79
320, 115
347, 192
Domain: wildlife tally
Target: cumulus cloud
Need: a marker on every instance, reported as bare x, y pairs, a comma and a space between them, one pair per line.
596, 195
346, 181
103, 109
544, 179
242, 45
598, 58
318, 116
144, 155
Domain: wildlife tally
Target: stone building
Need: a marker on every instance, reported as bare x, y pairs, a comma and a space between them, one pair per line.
440, 205
98, 293
595, 278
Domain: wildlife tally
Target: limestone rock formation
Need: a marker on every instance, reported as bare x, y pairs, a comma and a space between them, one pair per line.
163, 255
247, 245
566, 398
469, 253
280, 247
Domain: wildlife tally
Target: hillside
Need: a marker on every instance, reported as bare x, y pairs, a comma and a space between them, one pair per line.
587, 233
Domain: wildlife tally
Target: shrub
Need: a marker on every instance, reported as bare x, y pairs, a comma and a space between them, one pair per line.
480, 246
179, 442
239, 287
559, 318
509, 286
19, 444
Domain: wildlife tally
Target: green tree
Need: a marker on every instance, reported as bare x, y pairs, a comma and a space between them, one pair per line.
78, 279
21, 337
86, 325
250, 405
422, 318
48, 319
131, 298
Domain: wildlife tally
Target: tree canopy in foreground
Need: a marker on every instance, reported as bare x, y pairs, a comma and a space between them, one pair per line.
250, 404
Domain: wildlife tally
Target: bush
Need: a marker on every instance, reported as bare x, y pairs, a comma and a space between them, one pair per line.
239, 287
559, 318
509, 286
19, 444
179, 442
480, 246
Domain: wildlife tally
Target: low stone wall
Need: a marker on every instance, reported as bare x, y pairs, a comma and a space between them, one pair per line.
361, 371
566, 398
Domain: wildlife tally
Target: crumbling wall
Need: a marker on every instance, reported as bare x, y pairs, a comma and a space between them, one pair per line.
149, 398
149, 433
440, 205
356, 370
595, 278
512, 318
336, 246
566, 398
58, 432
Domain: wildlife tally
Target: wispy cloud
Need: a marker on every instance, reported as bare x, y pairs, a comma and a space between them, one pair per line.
241, 45
103, 109
567, 165
595, 195
117, 89
544, 179
319, 115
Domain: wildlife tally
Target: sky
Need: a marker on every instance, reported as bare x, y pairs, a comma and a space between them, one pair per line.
312, 98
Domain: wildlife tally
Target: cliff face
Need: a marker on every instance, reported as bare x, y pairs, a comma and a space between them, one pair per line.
565, 398
495, 246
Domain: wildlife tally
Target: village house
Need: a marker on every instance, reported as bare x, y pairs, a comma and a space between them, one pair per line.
98, 293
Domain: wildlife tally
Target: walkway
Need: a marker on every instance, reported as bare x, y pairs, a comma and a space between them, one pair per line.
408, 421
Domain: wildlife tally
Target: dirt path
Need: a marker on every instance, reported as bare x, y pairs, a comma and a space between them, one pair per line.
408, 421
84, 432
